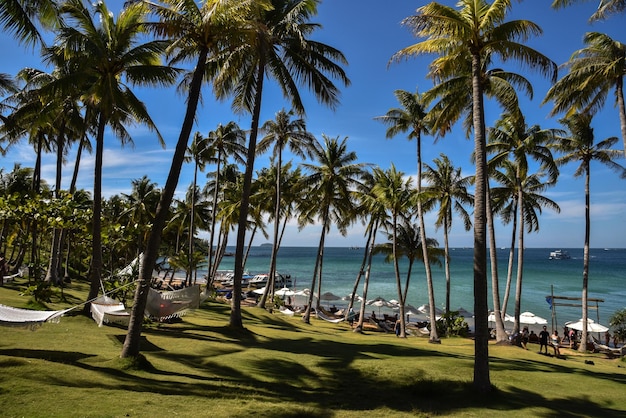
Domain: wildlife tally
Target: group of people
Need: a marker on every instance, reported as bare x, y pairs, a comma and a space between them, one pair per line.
555, 341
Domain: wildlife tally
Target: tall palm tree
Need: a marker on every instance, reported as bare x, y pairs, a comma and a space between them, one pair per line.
512, 138
329, 185
197, 31
594, 71
282, 132
406, 242
278, 46
227, 141
411, 118
105, 55
375, 212
395, 194
200, 153
604, 10
447, 188
580, 146
141, 203
520, 192
477, 34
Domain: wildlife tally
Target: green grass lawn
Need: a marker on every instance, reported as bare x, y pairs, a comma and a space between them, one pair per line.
280, 367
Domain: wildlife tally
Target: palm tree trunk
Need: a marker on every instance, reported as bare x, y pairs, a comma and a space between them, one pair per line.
446, 249
131, 343
52, 275
434, 338
213, 255
235, 315
366, 282
495, 286
191, 267
583, 339
306, 318
361, 269
509, 273
272, 272
482, 382
96, 243
619, 93
520, 263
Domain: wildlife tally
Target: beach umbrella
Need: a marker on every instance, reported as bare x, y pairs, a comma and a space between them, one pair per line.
303, 292
285, 291
328, 296
349, 296
259, 291
531, 319
591, 326
507, 318
378, 302
465, 313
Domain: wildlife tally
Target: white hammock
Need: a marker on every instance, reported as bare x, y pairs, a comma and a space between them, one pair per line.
174, 304
321, 315
20, 273
28, 318
106, 310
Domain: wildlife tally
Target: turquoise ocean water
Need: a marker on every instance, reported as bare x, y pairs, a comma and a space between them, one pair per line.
607, 277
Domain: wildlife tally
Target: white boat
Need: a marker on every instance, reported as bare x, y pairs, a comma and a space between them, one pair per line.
260, 280
559, 255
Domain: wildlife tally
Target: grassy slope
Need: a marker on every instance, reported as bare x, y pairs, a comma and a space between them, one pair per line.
280, 367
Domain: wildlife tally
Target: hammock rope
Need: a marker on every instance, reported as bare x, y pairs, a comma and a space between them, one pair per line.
30, 318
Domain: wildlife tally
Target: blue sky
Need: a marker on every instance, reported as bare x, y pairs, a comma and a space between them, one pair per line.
368, 32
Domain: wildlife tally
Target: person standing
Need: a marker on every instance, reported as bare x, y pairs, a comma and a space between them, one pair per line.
543, 339
556, 342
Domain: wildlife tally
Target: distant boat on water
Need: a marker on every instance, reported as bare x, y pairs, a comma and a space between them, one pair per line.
559, 255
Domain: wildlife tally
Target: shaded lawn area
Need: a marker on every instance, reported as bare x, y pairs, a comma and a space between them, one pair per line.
281, 367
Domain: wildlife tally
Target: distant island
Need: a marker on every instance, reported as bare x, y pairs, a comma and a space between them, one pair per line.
266, 244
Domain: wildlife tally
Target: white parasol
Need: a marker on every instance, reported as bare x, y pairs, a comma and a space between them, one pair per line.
507, 318
531, 319
591, 326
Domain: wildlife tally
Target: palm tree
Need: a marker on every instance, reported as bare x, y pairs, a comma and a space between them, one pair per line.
395, 195
406, 242
447, 188
141, 203
329, 187
411, 117
24, 18
197, 32
474, 34
282, 132
594, 71
604, 10
512, 138
375, 212
227, 141
579, 146
200, 153
278, 46
104, 53
520, 192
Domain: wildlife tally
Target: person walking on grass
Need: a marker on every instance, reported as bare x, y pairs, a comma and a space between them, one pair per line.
543, 339
556, 342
